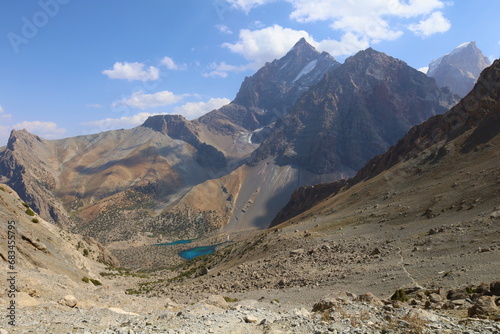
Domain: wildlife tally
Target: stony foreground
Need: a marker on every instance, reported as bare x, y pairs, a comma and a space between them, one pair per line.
341, 313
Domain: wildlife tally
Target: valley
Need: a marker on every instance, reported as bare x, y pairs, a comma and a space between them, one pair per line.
370, 205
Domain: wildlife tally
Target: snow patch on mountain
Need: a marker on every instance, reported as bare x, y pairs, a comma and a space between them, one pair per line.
308, 68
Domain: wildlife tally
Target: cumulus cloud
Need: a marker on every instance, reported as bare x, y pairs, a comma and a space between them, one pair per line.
172, 65
48, 130
424, 69
361, 23
260, 46
132, 72
192, 110
3, 114
247, 5
221, 69
224, 29
145, 101
121, 122
435, 23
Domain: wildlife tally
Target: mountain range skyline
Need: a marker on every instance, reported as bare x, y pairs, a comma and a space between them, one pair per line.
66, 77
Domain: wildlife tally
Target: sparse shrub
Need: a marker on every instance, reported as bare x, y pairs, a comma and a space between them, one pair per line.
30, 212
85, 252
2, 188
86, 279
400, 295
35, 220
26, 205
95, 282
230, 300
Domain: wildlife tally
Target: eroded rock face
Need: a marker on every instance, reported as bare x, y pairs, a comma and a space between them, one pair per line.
357, 111
485, 308
460, 69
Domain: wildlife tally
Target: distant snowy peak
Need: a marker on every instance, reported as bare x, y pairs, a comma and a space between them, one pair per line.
459, 69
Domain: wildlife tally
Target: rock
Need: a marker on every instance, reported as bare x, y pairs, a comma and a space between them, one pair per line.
483, 289
251, 319
495, 288
435, 298
301, 313
376, 251
217, 301
297, 251
120, 311
484, 308
3, 331
326, 304
417, 313
171, 304
456, 294
68, 300
370, 299
24, 299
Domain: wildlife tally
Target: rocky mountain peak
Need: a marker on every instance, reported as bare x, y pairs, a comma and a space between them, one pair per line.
459, 69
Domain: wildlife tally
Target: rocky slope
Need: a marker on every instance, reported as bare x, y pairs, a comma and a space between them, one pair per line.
460, 69
271, 91
474, 121
357, 111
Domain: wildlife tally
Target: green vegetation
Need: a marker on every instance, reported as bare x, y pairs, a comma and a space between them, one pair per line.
30, 212
95, 282
119, 271
231, 300
85, 252
35, 220
400, 295
2, 188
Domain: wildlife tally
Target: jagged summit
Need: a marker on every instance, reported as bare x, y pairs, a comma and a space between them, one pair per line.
459, 69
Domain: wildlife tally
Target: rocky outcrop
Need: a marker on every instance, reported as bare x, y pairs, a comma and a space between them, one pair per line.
479, 111
269, 94
356, 111
460, 69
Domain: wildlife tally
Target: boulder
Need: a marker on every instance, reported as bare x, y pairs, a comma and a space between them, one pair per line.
68, 300
495, 288
370, 299
484, 308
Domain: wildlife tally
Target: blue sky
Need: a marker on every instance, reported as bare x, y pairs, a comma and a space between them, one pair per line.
72, 67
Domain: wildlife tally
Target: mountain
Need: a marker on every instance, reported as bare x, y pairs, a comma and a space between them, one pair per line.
233, 168
464, 138
355, 112
460, 69
272, 90
43, 249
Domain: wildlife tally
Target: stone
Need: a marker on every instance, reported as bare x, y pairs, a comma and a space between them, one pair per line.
217, 301
370, 299
457, 294
68, 300
435, 298
495, 288
484, 308
251, 319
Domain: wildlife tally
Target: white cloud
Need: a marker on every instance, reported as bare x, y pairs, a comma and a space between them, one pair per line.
94, 105
48, 130
424, 69
193, 110
224, 29
3, 114
122, 122
221, 69
132, 71
171, 65
145, 101
260, 46
247, 5
435, 23
361, 22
